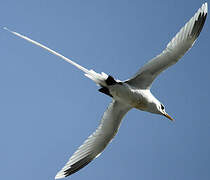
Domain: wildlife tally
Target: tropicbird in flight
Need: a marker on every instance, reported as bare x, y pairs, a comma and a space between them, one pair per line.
132, 93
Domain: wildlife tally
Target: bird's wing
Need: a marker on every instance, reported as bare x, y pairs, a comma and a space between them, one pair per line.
175, 49
96, 142
98, 78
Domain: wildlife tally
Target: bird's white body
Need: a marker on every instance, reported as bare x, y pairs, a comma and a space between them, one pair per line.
132, 93
141, 99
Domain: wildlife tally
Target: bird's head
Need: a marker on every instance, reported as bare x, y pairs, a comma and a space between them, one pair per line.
155, 106
162, 111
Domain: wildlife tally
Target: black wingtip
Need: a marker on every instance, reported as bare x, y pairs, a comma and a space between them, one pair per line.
78, 165
198, 25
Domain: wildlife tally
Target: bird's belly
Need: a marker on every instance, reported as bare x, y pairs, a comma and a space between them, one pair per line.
128, 96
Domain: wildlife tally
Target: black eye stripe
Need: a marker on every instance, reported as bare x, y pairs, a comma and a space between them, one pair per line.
162, 107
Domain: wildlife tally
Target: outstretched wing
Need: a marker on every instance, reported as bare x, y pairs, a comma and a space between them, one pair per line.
175, 49
96, 142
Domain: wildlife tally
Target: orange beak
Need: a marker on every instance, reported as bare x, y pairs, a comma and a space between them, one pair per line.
169, 117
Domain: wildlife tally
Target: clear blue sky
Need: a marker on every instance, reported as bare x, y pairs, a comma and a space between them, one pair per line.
48, 108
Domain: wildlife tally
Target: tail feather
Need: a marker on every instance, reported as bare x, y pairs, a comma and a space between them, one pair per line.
99, 79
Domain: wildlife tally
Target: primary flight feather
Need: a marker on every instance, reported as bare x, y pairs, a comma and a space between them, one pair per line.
132, 93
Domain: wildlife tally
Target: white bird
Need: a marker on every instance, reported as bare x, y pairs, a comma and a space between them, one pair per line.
132, 93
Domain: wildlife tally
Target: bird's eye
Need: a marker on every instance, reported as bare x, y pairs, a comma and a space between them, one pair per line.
162, 107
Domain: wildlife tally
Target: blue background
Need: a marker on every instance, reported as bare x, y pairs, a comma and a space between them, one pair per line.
48, 108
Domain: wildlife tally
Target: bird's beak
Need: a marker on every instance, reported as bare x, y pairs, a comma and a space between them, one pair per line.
169, 117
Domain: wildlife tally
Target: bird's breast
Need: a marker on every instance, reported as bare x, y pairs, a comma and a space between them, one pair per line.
128, 95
